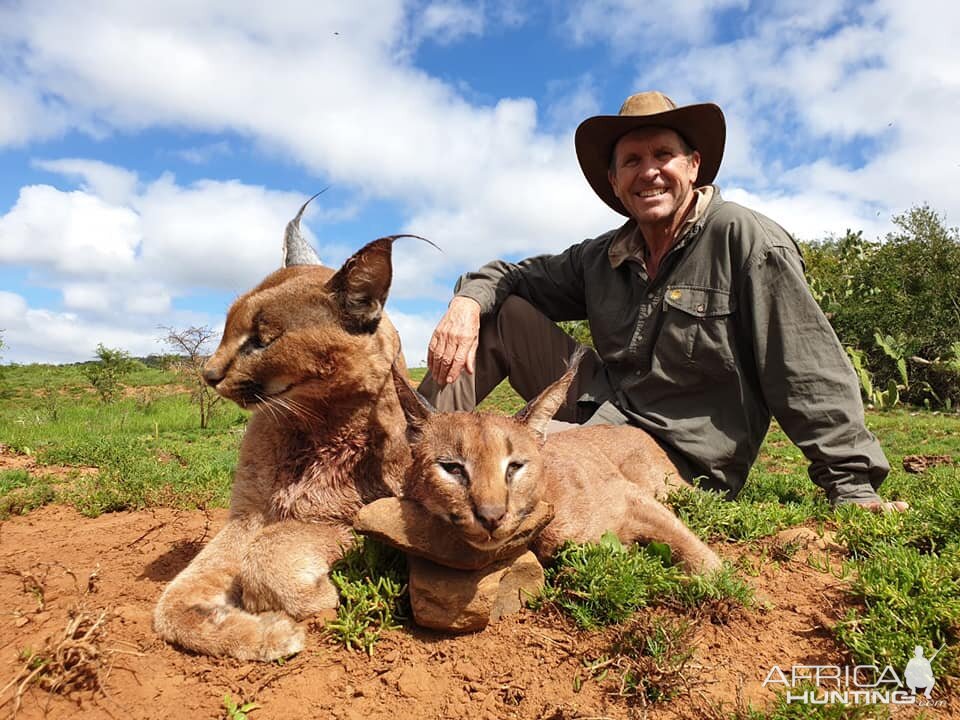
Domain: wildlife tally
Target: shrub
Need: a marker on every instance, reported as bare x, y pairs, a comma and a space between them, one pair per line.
106, 374
904, 288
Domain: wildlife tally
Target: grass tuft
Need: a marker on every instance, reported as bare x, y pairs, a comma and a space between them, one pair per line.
372, 581
909, 599
605, 583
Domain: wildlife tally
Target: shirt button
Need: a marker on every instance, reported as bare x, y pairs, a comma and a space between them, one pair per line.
701, 308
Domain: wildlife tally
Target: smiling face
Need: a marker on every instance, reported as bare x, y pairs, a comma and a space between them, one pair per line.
652, 173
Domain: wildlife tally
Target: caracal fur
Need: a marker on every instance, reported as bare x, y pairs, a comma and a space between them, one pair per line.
310, 351
484, 473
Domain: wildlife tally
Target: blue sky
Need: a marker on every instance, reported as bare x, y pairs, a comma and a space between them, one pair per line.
150, 154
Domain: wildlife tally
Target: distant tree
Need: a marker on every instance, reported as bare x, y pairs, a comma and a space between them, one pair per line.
191, 349
106, 374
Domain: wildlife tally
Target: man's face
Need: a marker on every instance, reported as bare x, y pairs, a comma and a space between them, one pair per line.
652, 174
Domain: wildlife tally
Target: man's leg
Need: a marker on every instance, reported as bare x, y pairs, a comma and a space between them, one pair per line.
522, 344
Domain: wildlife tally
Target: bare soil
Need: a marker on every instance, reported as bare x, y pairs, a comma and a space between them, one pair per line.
56, 566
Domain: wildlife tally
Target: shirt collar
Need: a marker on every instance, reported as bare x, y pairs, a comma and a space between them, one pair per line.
629, 243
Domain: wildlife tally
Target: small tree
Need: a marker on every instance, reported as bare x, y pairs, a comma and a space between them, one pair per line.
105, 375
191, 349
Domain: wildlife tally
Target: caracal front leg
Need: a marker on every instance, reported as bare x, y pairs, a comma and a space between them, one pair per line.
287, 567
199, 608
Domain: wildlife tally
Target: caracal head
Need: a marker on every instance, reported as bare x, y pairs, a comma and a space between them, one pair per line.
480, 472
308, 334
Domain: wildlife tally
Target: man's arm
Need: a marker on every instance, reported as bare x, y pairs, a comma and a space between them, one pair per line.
551, 283
808, 382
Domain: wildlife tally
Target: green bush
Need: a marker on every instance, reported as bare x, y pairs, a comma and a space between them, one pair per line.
105, 375
903, 289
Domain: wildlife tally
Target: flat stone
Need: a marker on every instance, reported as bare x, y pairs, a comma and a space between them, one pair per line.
409, 527
460, 601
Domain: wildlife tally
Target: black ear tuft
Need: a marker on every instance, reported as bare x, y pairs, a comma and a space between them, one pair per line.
362, 284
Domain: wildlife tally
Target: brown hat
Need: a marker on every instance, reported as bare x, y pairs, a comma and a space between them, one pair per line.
702, 126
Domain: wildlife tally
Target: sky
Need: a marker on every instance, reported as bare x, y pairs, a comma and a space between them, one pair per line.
152, 153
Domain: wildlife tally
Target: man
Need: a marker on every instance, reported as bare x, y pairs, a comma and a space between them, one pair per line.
703, 322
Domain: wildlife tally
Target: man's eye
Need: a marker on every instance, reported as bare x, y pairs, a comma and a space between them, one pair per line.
512, 469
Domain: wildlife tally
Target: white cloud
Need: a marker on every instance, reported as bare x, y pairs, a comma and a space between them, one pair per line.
651, 27
202, 154
113, 184
415, 332
332, 87
447, 22
39, 335
86, 297
71, 233
837, 112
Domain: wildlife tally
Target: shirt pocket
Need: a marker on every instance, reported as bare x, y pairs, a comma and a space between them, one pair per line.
699, 321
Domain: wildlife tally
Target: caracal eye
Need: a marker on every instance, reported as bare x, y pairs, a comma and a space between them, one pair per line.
512, 469
455, 469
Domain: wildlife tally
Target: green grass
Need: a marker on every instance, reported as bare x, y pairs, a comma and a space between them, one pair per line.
372, 581
21, 492
902, 571
605, 583
148, 448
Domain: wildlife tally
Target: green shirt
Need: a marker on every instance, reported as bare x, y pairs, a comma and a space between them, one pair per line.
725, 336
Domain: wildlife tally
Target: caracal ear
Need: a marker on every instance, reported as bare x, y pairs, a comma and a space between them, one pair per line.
360, 287
416, 408
296, 249
537, 413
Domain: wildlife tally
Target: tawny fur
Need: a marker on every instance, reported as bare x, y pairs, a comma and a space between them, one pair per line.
309, 351
598, 479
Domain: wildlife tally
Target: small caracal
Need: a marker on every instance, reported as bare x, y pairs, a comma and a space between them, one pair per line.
310, 351
485, 473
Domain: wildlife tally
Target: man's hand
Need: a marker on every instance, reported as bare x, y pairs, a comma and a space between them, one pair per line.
453, 345
883, 506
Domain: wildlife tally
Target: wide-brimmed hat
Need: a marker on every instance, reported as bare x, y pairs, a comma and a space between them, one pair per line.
702, 126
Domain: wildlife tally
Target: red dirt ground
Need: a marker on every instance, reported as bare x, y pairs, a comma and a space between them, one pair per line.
524, 667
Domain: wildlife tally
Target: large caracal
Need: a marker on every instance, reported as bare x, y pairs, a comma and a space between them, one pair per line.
310, 351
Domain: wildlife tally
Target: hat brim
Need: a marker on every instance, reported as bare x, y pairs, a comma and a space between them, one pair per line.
702, 126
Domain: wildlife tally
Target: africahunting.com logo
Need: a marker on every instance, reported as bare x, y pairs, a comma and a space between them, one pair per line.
857, 684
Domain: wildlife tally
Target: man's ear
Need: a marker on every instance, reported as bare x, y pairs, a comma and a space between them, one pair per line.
360, 287
416, 408
540, 411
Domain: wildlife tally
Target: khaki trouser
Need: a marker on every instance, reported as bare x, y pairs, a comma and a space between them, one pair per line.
521, 344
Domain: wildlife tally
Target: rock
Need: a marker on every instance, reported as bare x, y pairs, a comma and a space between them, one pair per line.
921, 463
409, 527
804, 537
445, 598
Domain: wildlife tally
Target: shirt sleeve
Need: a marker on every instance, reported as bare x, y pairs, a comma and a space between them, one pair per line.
551, 283
807, 379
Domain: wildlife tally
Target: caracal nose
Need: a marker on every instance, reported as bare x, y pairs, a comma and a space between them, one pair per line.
490, 516
212, 375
